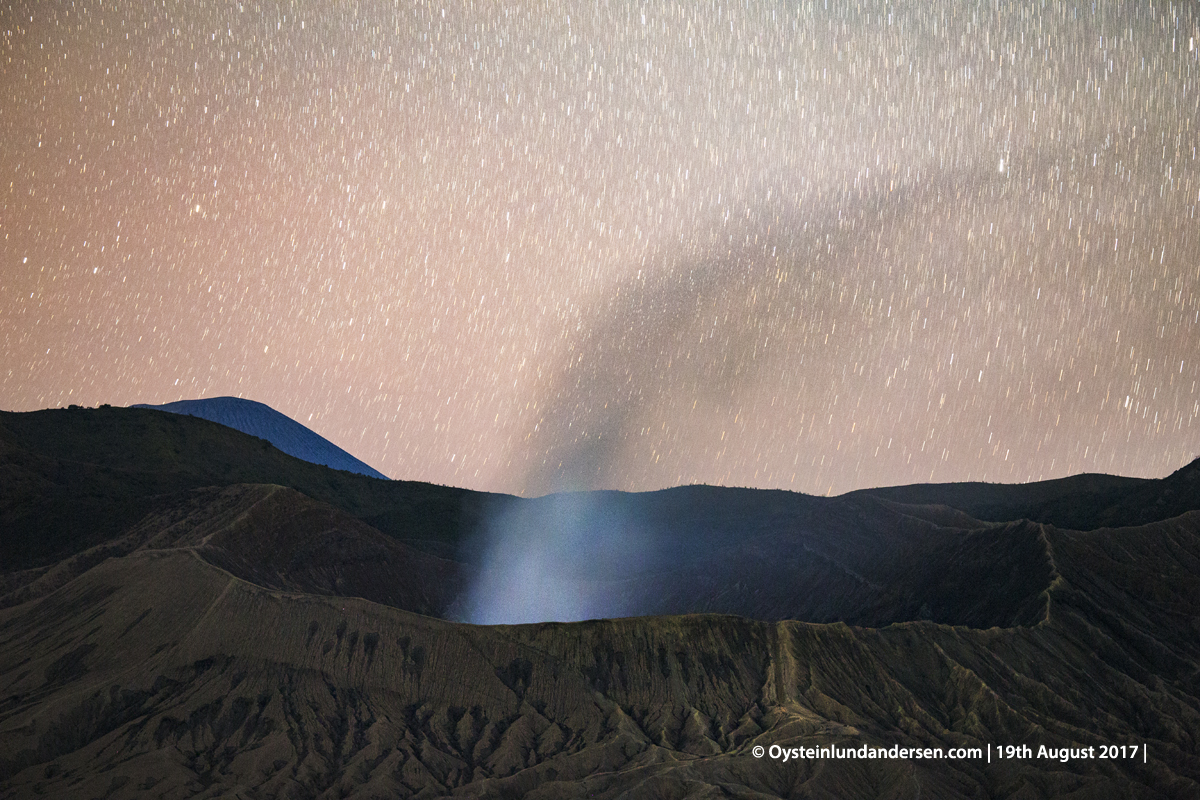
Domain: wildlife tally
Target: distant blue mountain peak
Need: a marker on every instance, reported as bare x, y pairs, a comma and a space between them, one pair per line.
259, 419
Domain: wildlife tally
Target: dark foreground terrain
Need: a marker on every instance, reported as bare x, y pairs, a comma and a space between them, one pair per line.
187, 612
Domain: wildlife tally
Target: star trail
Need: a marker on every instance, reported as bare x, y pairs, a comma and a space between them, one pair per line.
526, 247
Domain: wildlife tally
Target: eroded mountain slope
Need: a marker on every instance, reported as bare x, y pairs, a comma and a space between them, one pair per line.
160, 674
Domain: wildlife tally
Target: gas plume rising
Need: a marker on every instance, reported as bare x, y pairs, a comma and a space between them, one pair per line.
563, 557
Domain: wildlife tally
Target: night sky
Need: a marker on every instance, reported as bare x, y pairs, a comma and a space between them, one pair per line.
806, 245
